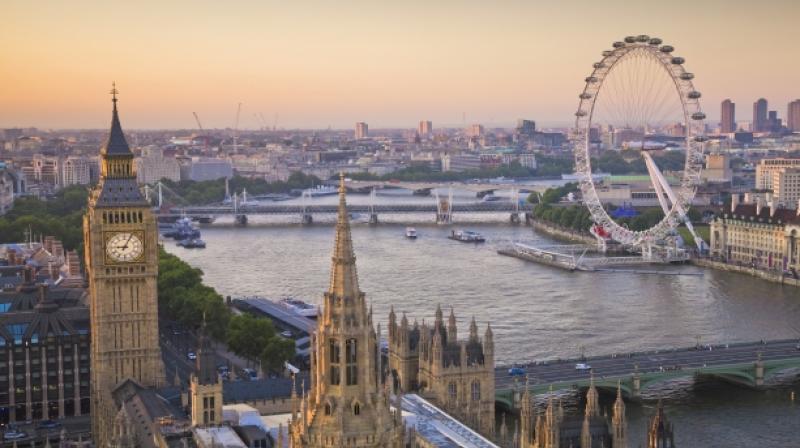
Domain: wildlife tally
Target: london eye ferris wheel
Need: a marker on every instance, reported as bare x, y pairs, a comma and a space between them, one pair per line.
640, 97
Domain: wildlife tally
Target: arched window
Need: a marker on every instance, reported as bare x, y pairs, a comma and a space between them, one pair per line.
327, 409
452, 390
351, 356
334, 360
356, 409
476, 390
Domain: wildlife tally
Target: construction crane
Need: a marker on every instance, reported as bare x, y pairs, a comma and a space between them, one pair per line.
202, 131
236, 128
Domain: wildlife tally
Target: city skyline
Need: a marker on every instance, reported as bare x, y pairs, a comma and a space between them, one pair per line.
316, 65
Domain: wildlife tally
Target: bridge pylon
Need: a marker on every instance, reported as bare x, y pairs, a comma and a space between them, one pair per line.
444, 208
759, 371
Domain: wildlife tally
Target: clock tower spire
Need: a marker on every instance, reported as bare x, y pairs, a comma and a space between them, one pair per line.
121, 254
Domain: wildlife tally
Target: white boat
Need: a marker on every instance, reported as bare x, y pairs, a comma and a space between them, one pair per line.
322, 190
411, 233
466, 236
300, 307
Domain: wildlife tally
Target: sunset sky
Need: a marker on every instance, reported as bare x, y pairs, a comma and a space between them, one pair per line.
391, 64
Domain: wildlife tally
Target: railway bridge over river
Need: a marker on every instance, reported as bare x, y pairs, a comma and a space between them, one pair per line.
746, 364
443, 210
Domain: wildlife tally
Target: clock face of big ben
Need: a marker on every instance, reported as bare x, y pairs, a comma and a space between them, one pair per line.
124, 247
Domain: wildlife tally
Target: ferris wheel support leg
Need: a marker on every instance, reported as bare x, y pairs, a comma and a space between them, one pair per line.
659, 179
654, 178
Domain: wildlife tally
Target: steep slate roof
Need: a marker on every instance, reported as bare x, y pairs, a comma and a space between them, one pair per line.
115, 144
782, 215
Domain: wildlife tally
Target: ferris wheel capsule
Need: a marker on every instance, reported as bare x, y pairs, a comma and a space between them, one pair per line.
693, 95
630, 40
667, 49
618, 44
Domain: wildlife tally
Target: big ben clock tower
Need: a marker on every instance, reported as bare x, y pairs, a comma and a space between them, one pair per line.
121, 250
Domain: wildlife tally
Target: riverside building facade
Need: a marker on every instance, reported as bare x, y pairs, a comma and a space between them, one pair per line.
757, 235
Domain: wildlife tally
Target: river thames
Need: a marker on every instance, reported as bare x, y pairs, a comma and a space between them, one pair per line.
537, 312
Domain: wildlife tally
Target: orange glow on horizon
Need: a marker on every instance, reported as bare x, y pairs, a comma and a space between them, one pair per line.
323, 64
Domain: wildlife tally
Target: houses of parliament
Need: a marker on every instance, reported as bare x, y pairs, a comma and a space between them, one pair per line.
356, 395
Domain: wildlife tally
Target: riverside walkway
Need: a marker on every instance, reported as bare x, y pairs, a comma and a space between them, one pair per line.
748, 364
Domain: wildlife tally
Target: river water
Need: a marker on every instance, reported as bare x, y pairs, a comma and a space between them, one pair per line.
536, 312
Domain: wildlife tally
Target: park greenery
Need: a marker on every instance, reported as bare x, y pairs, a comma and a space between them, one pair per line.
60, 216
182, 297
210, 191
549, 208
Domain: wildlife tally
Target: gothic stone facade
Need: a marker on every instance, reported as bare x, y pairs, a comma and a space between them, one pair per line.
457, 376
121, 239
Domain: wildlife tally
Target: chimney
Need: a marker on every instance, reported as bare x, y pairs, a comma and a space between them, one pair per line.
758, 206
734, 202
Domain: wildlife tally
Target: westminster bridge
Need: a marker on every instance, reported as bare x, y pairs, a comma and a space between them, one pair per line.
746, 364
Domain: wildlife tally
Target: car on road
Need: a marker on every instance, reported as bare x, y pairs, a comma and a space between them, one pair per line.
516, 371
12, 433
192, 356
250, 374
49, 424
582, 366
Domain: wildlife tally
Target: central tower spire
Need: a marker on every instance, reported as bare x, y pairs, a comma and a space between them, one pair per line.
344, 276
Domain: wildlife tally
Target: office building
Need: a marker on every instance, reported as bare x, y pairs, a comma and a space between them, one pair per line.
362, 130
793, 116
76, 171
200, 169
153, 166
766, 167
425, 128
474, 130
728, 117
760, 115
786, 187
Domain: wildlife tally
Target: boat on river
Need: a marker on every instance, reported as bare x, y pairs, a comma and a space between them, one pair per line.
411, 233
466, 236
192, 243
300, 307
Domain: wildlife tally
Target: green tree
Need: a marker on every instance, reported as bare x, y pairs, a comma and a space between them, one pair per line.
277, 351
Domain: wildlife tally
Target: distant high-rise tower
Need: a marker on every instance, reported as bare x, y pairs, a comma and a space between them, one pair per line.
793, 116
728, 120
425, 128
760, 115
362, 130
526, 127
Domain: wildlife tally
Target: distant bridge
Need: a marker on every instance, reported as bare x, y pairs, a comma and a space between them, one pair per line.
478, 187
443, 210
747, 364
